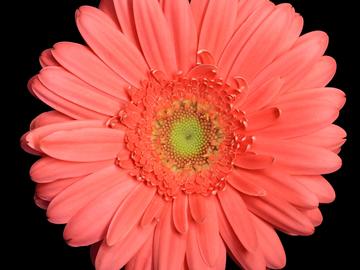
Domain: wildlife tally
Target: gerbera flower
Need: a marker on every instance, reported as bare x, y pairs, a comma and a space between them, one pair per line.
183, 132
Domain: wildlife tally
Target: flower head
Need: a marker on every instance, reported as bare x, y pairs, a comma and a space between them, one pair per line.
179, 135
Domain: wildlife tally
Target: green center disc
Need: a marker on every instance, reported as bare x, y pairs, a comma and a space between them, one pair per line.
187, 136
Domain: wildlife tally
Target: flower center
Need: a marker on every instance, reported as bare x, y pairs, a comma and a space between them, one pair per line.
186, 135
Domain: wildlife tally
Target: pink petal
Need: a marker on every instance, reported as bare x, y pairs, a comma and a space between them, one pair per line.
180, 213
264, 45
94, 249
217, 30
48, 169
143, 258
248, 260
298, 158
331, 137
239, 218
111, 45
246, 9
198, 207
153, 211
61, 104
253, 161
47, 118
47, 191
207, 234
193, 256
43, 204
271, 246
280, 214
24, 145
241, 183
333, 96
263, 96
66, 204
198, 8
82, 62
129, 213
84, 145
169, 245
319, 186
125, 16
65, 84
302, 118
182, 26
91, 223
107, 6
282, 185
34, 137
155, 37
241, 37
47, 59
115, 257
262, 119
319, 75
314, 215
291, 65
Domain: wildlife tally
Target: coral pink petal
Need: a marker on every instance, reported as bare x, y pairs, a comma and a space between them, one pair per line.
47, 59
319, 186
77, 91
331, 137
169, 245
155, 36
82, 62
43, 204
107, 6
47, 191
319, 75
298, 158
66, 204
314, 215
264, 45
253, 161
241, 37
207, 234
182, 26
153, 211
26, 147
247, 8
48, 118
217, 30
299, 118
111, 45
282, 185
262, 119
198, 207
84, 145
115, 257
90, 224
263, 96
129, 213
125, 16
143, 258
271, 246
238, 216
193, 256
61, 104
248, 260
34, 137
48, 169
198, 8
291, 65
241, 183
280, 214
180, 213
94, 249
333, 96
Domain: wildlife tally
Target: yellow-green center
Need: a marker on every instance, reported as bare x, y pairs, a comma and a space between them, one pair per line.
187, 136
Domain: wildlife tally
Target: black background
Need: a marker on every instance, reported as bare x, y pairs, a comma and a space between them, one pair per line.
34, 243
